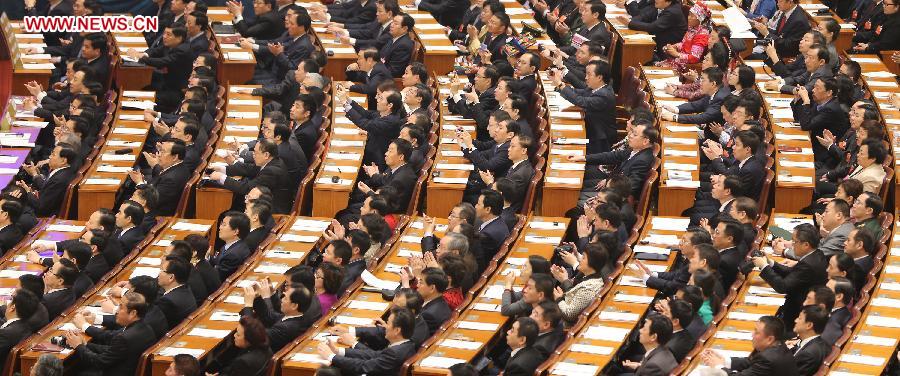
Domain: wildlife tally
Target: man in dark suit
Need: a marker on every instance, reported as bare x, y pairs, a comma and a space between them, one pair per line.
667, 24
448, 13
55, 8
598, 104
177, 301
277, 56
431, 286
58, 286
169, 176
349, 12
266, 24
368, 72
592, 31
669, 282
487, 156
795, 280
492, 231
816, 66
654, 335
526, 79
727, 239
95, 52
634, 162
10, 235
289, 327
260, 212
266, 170
396, 54
495, 39
769, 357
682, 341
233, 229
548, 318
744, 164
479, 103
812, 349
116, 352
886, 35
843, 294
130, 214
19, 310
825, 113
173, 61
196, 24
785, 29
520, 173
723, 194
306, 133
521, 338
398, 173
359, 359
52, 188
707, 109
375, 33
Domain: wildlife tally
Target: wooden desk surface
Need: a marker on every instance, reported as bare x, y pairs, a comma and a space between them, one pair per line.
563, 179
451, 168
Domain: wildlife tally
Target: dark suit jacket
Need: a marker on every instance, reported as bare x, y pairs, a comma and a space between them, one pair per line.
382, 130
521, 177
396, 55
248, 362
58, 301
669, 282
729, 260
787, 38
547, 343
447, 12
667, 26
598, 35
635, 168
704, 110
11, 335
751, 174
82, 284
229, 260
493, 158
524, 362
835, 327
810, 357
130, 238
169, 184
404, 180
42, 8
177, 305
9, 237
209, 274
681, 343
52, 192
370, 35
480, 111
272, 176
385, 362
435, 313
889, 37
491, 238
795, 282
116, 352
354, 12
816, 119
773, 361
199, 45
599, 114
307, 134
284, 92
177, 63
368, 83
352, 271
100, 67
264, 26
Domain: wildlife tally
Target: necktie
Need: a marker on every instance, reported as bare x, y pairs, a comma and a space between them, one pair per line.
781, 22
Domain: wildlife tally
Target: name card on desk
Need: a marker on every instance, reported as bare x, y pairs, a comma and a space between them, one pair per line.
797, 164
873, 83
628, 298
118, 157
187, 226
872, 340
143, 105
65, 228
561, 180
572, 369
243, 115
38, 66
886, 302
143, 270
486, 307
271, 269
346, 131
172, 351
354, 321
274, 253
30, 124
568, 166
457, 344
225, 316
680, 141
341, 50
652, 249
440, 362
371, 306
606, 333
558, 151
764, 300
680, 166
450, 180
238, 55
155, 261
299, 238
101, 181
455, 166
125, 130
347, 143
484, 326
662, 239
309, 358
744, 316
682, 183
452, 153
742, 336
591, 349
887, 322
343, 156
543, 239
541, 225
619, 316
795, 179
862, 359
209, 333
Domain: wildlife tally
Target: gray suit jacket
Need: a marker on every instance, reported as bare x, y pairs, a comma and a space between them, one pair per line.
831, 244
658, 362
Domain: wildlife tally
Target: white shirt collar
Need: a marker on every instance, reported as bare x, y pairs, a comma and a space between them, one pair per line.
724, 204
485, 223
170, 290
516, 164
398, 343
290, 317
805, 341
9, 322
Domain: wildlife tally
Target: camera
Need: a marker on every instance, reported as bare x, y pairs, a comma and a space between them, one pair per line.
59, 341
763, 41
564, 248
